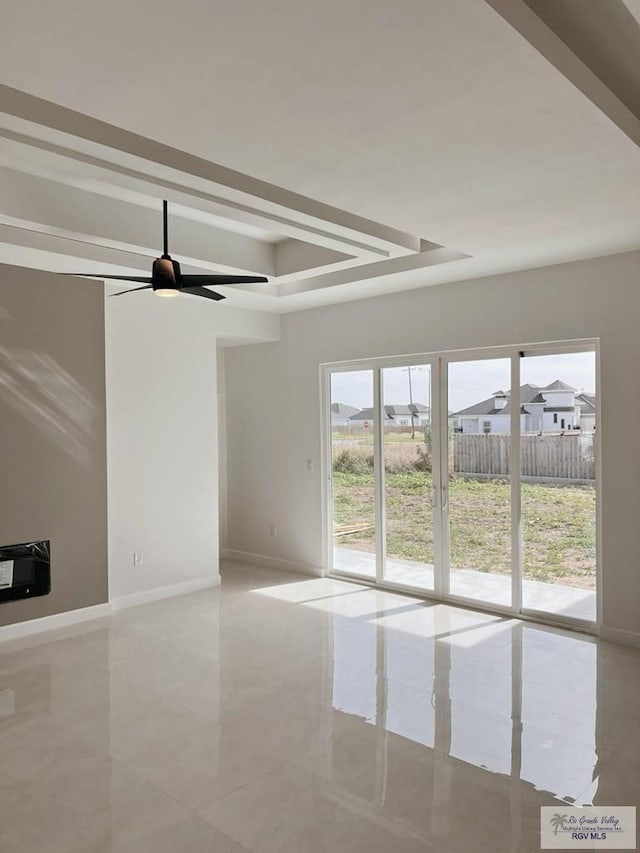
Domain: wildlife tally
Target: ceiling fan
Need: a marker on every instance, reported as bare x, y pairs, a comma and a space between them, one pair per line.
166, 279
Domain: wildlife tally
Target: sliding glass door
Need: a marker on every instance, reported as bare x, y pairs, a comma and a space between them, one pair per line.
477, 506
353, 494
558, 476
407, 452
469, 476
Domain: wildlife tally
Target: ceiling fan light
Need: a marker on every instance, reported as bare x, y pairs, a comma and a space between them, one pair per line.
166, 291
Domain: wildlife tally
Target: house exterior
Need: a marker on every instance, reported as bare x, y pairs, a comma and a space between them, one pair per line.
341, 413
587, 403
399, 415
555, 407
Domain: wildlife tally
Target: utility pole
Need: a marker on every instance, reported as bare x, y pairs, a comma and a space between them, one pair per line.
411, 406
413, 425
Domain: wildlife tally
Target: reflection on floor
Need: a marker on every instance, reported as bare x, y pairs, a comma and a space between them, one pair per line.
281, 714
469, 583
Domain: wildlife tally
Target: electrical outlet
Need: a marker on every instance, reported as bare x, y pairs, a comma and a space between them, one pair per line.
309, 465
273, 530
138, 558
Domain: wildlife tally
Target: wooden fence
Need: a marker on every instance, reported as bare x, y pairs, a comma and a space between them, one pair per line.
564, 457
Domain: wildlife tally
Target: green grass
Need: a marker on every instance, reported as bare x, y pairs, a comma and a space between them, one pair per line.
558, 523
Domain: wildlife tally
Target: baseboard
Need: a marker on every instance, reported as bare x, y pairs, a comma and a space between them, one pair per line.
85, 614
160, 592
273, 562
619, 635
55, 620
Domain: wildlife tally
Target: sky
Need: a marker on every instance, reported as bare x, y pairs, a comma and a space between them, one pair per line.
469, 382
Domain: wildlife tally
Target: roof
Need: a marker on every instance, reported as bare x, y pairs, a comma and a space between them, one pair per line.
587, 402
529, 395
413, 408
484, 407
559, 385
343, 410
392, 412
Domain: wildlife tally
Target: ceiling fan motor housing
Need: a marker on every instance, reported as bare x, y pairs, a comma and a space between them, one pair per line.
165, 274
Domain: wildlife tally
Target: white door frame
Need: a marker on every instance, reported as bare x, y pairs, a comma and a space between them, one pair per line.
514, 452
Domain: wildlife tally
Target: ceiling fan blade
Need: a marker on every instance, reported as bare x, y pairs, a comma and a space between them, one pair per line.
140, 278
202, 291
201, 280
132, 290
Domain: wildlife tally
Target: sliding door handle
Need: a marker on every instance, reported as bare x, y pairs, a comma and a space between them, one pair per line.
445, 497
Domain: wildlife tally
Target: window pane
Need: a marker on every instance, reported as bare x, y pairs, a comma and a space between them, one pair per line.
408, 462
353, 481
558, 484
479, 488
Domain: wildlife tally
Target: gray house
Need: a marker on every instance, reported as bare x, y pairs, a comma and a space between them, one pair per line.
341, 413
399, 415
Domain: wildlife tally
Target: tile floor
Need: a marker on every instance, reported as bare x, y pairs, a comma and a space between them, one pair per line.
281, 714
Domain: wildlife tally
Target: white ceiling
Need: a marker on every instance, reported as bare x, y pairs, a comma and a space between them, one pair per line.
432, 117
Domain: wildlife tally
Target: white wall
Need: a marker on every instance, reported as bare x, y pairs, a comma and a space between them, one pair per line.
559, 398
162, 451
222, 450
500, 424
268, 480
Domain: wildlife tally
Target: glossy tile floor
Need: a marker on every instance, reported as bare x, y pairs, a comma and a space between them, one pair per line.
283, 714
